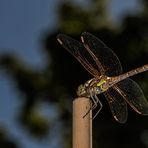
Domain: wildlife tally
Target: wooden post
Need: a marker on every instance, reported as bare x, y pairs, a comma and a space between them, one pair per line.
82, 127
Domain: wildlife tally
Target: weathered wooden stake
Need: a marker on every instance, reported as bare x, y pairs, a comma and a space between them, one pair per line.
82, 127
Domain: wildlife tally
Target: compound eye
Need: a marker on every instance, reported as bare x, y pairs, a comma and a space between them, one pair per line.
81, 90
81, 87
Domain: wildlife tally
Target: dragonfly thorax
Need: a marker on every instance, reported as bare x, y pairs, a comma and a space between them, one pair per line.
92, 87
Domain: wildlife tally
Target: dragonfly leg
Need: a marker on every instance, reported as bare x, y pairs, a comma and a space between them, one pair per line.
94, 101
94, 104
100, 105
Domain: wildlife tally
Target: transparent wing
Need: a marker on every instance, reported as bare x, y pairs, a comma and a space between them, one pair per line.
80, 53
117, 105
107, 61
134, 96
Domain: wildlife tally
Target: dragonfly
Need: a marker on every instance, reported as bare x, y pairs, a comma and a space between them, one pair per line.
103, 64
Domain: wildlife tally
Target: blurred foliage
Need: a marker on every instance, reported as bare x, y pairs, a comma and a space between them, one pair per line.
79, 19
6, 142
57, 83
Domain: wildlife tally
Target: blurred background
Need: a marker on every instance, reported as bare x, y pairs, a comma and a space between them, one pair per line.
38, 78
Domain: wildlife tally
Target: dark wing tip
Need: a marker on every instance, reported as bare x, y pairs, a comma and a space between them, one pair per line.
84, 35
60, 38
144, 112
87, 36
120, 120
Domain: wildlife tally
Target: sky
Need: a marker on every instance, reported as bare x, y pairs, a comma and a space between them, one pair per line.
21, 24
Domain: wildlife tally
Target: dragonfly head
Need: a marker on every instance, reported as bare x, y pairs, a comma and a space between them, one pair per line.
81, 91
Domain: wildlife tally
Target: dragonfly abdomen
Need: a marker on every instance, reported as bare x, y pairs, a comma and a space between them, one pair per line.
130, 73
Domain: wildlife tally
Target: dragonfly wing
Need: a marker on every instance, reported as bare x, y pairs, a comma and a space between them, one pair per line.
106, 59
134, 96
117, 105
80, 53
